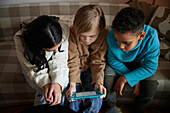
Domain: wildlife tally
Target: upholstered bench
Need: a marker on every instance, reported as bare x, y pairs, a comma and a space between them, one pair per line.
14, 90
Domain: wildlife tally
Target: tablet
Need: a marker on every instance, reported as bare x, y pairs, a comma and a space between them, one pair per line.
86, 95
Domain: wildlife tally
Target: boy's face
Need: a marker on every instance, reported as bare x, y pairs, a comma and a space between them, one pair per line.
127, 41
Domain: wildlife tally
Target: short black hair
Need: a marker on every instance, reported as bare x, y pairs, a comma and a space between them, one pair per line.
129, 19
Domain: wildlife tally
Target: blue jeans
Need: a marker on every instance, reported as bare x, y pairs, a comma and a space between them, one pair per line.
92, 105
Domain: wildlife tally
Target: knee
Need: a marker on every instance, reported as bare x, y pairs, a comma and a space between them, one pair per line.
74, 105
150, 81
97, 102
149, 84
96, 105
148, 88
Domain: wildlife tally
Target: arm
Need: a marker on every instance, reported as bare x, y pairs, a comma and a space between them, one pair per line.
58, 74
74, 60
150, 62
113, 54
73, 64
97, 63
97, 66
58, 69
58, 66
118, 66
41, 77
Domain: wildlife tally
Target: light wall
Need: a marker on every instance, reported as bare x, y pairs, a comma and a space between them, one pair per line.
157, 2
8, 2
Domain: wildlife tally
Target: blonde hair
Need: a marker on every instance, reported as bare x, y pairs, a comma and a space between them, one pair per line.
85, 17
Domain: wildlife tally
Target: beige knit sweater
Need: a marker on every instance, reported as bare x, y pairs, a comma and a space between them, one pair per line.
82, 57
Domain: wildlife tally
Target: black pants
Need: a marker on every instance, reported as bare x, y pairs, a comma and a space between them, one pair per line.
148, 87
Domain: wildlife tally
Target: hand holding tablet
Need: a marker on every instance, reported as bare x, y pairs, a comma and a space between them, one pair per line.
86, 95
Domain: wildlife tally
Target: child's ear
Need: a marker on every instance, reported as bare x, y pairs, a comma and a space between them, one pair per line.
142, 35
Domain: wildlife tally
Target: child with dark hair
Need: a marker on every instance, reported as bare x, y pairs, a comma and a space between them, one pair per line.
133, 52
42, 50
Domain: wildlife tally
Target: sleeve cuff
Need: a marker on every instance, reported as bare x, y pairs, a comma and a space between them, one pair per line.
41, 81
130, 81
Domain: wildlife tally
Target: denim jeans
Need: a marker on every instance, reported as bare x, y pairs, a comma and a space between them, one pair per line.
148, 88
92, 105
39, 95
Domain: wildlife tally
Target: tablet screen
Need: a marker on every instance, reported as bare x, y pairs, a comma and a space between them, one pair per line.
90, 93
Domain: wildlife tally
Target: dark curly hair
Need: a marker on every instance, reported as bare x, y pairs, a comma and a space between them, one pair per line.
42, 32
129, 20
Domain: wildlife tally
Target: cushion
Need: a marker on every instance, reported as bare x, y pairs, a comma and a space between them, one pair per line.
12, 15
64, 19
165, 49
160, 21
148, 9
14, 89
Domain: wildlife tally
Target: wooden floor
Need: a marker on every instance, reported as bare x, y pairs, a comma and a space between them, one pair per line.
123, 108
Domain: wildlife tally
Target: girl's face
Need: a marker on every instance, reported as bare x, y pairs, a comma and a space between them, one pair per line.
127, 41
54, 49
90, 36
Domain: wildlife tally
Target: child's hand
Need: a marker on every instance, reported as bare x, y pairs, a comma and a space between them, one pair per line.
55, 93
119, 85
101, 88
46, 91
71, 90
136, 90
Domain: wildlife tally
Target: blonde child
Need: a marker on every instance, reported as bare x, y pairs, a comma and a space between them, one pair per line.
87, 48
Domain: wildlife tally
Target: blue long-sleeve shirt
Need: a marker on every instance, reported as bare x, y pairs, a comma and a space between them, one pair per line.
146, 50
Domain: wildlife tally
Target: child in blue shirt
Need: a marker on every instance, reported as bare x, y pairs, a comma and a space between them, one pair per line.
133, 52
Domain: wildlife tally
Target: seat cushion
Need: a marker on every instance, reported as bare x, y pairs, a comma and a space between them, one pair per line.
14, 90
